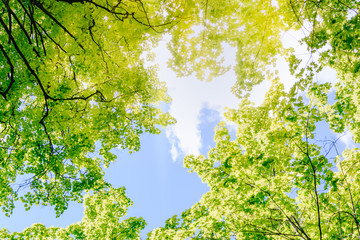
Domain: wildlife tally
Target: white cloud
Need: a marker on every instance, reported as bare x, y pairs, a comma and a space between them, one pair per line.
190, 96
258, 93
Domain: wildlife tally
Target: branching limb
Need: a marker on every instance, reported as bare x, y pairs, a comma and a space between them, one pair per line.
10, 75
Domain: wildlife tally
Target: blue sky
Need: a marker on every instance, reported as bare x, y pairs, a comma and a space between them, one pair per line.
158, 186
154, 177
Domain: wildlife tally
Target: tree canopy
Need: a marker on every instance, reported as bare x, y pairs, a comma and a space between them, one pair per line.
74, 77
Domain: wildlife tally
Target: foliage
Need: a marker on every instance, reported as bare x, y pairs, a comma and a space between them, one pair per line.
253, 28
275, 181
102, 212
73, 76
271, 180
